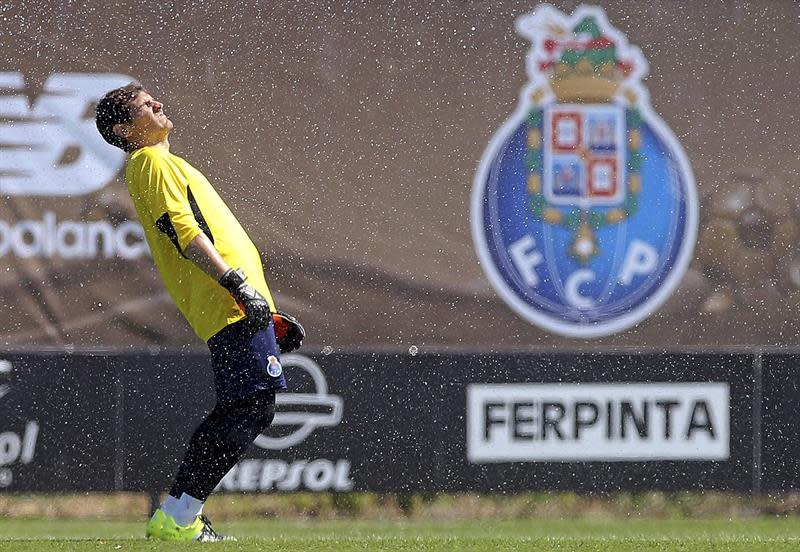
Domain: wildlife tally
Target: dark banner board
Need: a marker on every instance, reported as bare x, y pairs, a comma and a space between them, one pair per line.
164, 399
780, 429
406, 423
60, 425
601, 423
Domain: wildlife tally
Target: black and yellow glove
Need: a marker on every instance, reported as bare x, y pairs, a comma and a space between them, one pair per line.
255, 307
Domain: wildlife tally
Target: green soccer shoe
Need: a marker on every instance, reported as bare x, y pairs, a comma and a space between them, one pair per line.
163, 527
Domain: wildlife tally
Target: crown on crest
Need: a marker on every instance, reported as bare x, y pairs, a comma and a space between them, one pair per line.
582, 63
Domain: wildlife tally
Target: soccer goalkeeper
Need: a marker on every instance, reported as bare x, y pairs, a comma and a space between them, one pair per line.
213, 272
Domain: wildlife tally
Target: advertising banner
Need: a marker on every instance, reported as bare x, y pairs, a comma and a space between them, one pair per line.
403, 423
59, 423
574, 422
778, 461
628, 422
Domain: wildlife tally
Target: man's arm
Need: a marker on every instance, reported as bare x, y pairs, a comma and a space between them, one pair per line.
203, 253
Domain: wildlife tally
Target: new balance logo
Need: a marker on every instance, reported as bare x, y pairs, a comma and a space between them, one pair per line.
51, 147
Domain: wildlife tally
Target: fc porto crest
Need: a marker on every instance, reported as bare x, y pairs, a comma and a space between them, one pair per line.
584, 210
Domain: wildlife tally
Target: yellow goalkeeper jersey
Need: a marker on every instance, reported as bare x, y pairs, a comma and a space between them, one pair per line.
175, 202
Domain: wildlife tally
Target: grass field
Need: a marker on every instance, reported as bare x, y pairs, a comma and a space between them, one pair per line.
771, 534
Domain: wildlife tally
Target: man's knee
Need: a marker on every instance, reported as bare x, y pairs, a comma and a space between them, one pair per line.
268, 413
262, 409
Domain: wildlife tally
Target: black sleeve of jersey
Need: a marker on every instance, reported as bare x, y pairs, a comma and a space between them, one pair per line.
164, 224
198, 215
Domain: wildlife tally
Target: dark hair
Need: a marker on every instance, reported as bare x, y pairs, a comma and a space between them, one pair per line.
114, 108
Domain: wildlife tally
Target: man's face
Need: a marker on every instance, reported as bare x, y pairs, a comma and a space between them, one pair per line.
149, 125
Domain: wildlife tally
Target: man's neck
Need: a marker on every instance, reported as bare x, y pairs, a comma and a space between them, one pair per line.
164, 145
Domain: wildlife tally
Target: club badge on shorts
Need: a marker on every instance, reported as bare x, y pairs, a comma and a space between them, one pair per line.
274, 368
584, 210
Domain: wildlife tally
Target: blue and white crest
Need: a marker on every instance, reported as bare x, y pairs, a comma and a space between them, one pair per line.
274, 367
584, 210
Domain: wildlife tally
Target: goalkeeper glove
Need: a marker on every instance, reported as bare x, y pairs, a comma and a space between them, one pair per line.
289, 333
255, 307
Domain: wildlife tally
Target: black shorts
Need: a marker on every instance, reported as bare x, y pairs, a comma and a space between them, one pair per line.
239, 359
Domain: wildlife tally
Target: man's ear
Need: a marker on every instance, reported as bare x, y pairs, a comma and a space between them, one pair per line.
121, 130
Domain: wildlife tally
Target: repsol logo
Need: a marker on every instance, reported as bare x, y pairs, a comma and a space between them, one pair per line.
69, 239
600, 422
17, 447
265, 475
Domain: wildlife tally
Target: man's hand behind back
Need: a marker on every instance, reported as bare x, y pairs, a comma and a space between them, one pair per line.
255, 307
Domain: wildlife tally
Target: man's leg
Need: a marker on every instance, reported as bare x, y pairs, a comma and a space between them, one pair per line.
215, 447
245, 407
219, 442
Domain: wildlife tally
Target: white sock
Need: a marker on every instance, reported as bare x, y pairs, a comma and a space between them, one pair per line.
192, 507
171, 506
183, 509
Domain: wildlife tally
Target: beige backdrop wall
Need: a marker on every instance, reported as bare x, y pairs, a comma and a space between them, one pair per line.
346, 135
